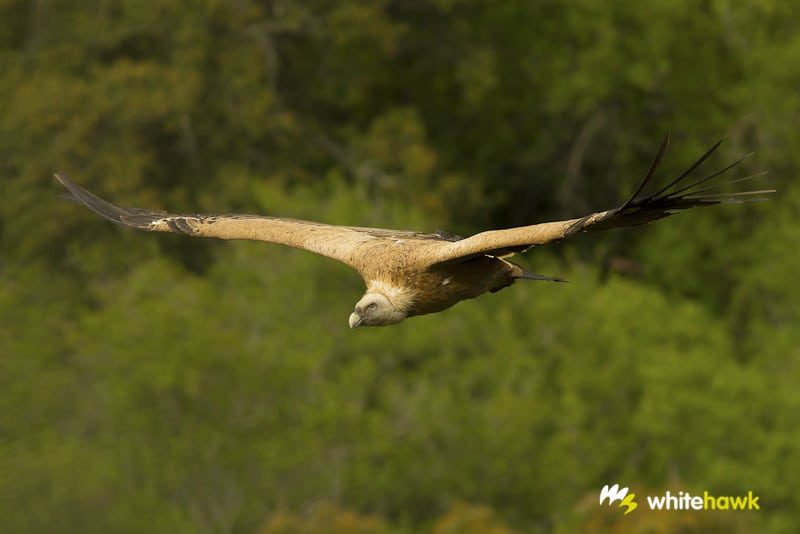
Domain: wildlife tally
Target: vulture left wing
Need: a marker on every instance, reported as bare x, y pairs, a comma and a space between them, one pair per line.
639, 209
343, 243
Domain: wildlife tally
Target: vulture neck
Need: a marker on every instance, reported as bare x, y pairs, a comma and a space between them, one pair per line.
399, 297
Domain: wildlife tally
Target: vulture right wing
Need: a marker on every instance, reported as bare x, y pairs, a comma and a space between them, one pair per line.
639, 209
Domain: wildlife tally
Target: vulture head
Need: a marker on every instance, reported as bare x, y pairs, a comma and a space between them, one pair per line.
374, 309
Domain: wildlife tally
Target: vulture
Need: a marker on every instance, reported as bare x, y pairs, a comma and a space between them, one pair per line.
410, 273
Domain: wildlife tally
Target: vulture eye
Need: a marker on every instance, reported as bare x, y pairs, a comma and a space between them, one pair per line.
372, 306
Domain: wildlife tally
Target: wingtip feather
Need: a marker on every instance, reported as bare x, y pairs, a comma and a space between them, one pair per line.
80, 195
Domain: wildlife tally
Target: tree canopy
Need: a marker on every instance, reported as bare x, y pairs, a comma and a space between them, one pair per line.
161, 384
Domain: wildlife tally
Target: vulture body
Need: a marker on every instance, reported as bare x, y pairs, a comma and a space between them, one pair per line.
411, 273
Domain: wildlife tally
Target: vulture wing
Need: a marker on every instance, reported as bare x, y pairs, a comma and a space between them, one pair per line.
343, 243
639, 209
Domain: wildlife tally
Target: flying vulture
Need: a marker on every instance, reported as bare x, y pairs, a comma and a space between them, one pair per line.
411, 273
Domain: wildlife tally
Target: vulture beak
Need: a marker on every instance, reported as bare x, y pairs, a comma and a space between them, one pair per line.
354, 320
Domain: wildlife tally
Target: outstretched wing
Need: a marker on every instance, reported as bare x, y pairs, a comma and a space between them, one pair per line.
343, 243
639, 209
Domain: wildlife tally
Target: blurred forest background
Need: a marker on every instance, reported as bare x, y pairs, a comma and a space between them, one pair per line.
153, 383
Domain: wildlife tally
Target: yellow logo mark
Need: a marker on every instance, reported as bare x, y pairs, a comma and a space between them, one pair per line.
629, 502
615, 493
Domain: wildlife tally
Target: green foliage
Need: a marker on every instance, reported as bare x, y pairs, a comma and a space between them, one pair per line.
155, 383
325, 518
